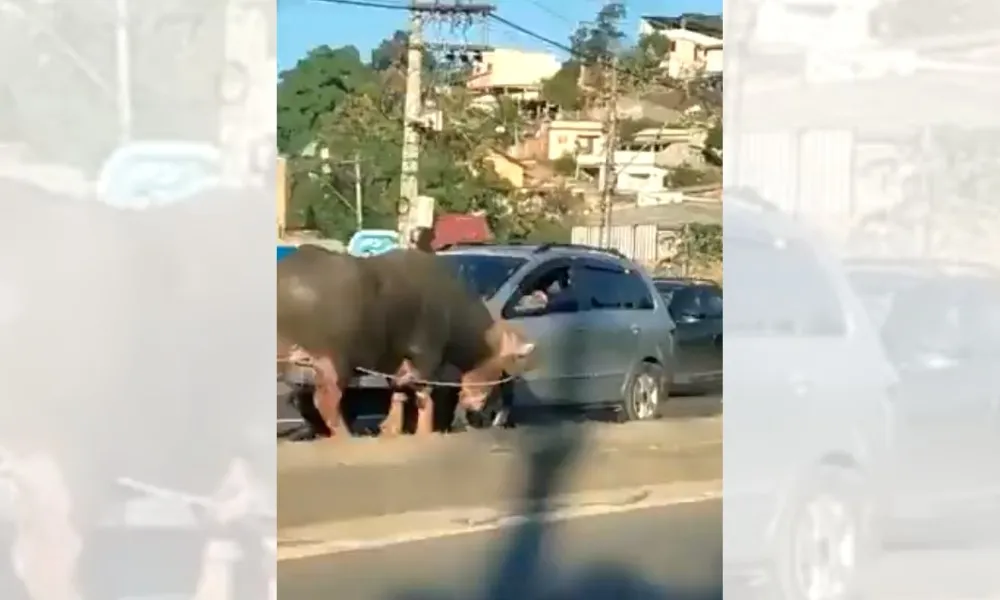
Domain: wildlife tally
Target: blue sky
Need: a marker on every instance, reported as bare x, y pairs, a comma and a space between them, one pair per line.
305, 24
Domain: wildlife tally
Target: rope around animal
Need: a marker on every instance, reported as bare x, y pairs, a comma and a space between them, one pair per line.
427, 382
433, 383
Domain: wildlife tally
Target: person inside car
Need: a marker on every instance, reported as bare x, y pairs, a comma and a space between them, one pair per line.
547, 291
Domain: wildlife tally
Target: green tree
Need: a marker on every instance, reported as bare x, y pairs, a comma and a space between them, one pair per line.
601, 39
562, 89
713, 144
590, 44
686, 176
565, 165
700, 245
714, 138
642, 62
390, 55
317, 84
341, 108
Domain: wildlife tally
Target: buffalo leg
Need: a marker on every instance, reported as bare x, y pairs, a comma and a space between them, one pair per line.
329, 394
393, 423
425, 411
405, 377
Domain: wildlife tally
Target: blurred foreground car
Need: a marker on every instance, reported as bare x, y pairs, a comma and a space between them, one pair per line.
807, 419
940, 326
695, 305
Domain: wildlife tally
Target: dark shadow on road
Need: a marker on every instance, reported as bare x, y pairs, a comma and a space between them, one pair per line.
523, 571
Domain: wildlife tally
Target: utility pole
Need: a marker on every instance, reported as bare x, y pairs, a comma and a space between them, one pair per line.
458, 14
409, 187
358, 199
610, 143
123, 49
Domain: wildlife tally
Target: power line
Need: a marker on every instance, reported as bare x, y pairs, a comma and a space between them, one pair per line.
366, 4
492, 15
537, 36
541, 6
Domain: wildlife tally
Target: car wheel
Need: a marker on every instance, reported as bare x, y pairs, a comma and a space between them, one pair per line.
645, 393
825, 541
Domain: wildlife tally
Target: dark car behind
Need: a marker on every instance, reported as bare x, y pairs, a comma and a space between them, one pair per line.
695, 305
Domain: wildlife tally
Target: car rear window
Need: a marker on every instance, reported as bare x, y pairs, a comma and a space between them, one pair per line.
484, 274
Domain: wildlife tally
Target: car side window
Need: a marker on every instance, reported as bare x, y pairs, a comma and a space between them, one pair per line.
711, 302
548, 289
781, 290
611, 287
599, 287
685, 302
635, 292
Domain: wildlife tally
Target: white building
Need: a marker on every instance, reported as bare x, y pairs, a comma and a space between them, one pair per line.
511, 72
695, 43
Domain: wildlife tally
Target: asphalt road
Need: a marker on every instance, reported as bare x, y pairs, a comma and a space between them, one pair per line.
671, 552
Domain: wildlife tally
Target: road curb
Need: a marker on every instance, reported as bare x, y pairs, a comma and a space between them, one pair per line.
407, 450
337, 537
306, 497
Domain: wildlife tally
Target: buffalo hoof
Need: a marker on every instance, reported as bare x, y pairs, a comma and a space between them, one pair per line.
390, 431
303, 433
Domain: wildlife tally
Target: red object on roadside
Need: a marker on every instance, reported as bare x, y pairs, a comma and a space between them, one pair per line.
458, 228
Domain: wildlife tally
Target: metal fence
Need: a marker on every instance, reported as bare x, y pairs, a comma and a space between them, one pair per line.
638, 242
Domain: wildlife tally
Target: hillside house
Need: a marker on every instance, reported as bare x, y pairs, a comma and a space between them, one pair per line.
695, 43
513, 74
573, 138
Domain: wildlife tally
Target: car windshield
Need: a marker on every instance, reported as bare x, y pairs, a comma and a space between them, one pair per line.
484, 274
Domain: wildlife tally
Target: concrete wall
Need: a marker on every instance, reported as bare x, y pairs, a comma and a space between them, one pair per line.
506, 67
564, 135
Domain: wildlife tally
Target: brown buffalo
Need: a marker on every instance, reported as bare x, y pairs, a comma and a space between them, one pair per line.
402, 313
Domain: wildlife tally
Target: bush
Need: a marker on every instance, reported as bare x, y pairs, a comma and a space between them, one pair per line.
685, 176
565, 165
700, 245
714, 138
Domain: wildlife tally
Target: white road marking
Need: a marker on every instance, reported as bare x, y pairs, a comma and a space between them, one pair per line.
350, 536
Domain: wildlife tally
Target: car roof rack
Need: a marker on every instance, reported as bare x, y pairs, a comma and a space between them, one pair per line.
466, 244
553, 245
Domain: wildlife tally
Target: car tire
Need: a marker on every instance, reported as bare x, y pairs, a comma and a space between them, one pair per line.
832, 505
644, 394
